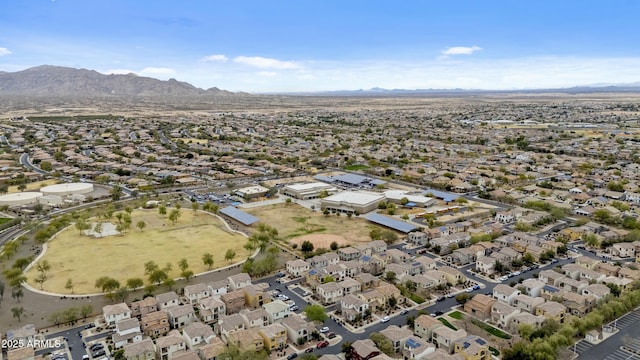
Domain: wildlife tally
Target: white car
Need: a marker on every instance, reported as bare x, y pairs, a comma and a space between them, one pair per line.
324, 330
385, 319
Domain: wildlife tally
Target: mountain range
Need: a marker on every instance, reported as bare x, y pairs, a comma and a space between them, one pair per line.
60, 81
64, 82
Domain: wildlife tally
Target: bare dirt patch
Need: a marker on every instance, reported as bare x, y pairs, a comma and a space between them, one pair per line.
294, 222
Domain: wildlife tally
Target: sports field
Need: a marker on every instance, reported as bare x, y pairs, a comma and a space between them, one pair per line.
84, 259
296, 224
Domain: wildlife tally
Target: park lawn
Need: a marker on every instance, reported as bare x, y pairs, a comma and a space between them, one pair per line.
84, 259
293, 220
34, 186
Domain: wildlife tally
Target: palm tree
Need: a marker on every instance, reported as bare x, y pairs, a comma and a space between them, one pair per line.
17, 312
207, 259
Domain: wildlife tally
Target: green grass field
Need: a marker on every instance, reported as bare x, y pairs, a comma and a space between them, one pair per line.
84, 259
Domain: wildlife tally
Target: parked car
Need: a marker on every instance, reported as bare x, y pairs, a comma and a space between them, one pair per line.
309, 350
322, 344
294, 308
324, 329
516, 273
476, 287
438, 313
96, 347
404, 312
441, 298
292, 356
331, 335
385, 319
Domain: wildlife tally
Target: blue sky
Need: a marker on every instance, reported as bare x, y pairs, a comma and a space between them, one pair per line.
299, 45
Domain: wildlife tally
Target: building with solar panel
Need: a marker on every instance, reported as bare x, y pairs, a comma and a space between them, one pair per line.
472, 347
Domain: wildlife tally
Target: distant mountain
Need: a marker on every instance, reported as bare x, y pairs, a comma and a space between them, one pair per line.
60, 81
377, 91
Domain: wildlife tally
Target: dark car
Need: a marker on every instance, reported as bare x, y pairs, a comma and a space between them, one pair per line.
322, 344
309, 350
403, 312
441, 298
96, 347
331, 335
438, 313
98, 353
292, 356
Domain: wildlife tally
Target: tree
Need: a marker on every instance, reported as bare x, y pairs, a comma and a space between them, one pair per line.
134, 283
17, 312
150, 267
334, 246
40, 279
207, 259
162, 210
97, 228
82, 225
390, 276
463, 298
22, 187
528, 259
158, 276
195, 206
316, 313
17, 293
121, 294
116, 193
382, 343
43, 266
307, 246
69, 285
229, 255
183, 264
174, 215
141, 225
107, 284
392, 302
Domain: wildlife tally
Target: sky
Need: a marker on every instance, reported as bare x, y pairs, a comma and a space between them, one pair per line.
266, 46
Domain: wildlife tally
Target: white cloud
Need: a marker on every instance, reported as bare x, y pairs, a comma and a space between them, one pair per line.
267, 73
211, 58
4, 51
157, 71
265, 63
461, 50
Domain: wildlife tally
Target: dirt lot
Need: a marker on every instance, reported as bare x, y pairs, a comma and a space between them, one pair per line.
34, 186
84, 259
296, 224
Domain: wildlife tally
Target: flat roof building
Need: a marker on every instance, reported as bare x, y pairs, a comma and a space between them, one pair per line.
308, 191
352, 201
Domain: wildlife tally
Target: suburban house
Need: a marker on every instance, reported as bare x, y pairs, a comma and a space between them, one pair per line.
472, 347
239, 281
155, 324
143, 350
116, 312
142, 307
167, 300
277, 311
169, 344
445, 337
180, 316
297, 268
397, 336
196, 334
274, 336
480, 306
329, 293
233, 301
211, 309
505, 293
196, 292
297, 328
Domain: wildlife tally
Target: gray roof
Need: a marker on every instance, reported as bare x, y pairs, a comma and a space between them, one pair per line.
239, 215
391, 223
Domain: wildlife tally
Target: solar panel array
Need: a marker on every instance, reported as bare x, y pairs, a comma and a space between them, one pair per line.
391, 223
412, 343
239, 215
